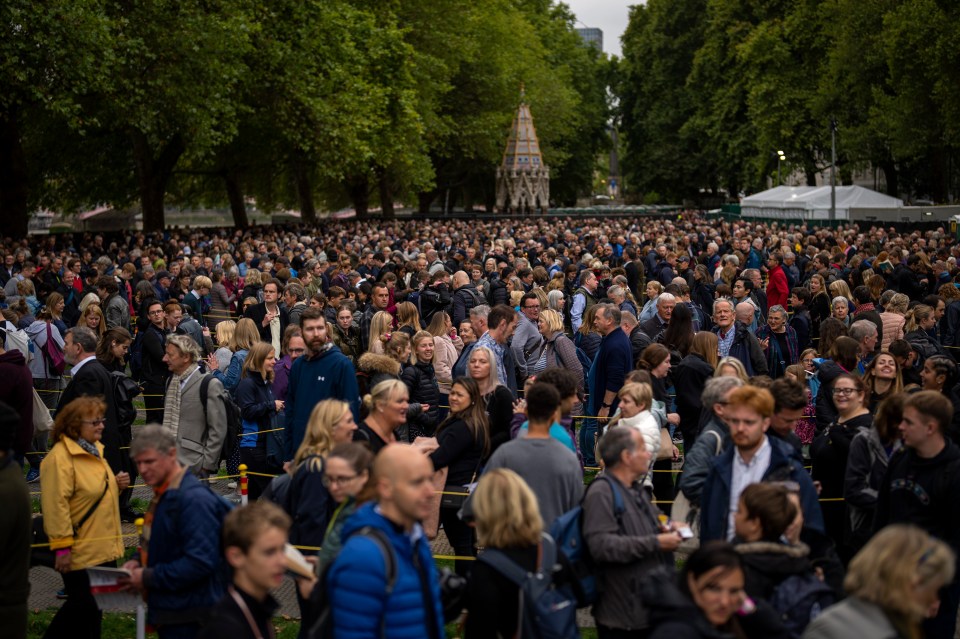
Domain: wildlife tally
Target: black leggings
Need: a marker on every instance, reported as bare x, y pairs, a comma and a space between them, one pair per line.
460, 536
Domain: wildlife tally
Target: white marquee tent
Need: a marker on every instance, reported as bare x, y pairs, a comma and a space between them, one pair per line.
813, 202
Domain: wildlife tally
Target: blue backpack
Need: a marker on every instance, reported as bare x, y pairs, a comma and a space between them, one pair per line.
548, 612
799, 599
567, 529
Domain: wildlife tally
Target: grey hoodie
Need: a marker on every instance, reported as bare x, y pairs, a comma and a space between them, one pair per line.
38, 336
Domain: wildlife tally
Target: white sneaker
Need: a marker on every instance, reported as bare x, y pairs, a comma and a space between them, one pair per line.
232, 484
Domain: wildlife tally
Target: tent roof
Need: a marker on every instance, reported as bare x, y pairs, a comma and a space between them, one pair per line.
818, 197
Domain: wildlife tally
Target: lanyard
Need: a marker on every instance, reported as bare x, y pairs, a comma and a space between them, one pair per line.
249, 615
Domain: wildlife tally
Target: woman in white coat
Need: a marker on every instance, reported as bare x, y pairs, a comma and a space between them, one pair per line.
636, 399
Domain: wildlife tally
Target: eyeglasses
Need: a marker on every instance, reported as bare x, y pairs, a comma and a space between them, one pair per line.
846, 392
94, 422
533, 306
329, 481
155, 313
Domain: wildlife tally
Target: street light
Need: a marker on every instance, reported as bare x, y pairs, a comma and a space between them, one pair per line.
780, 158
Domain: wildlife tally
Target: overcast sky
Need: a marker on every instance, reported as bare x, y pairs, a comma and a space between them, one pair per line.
608, 15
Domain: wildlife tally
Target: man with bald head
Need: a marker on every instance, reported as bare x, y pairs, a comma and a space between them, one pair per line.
385, 533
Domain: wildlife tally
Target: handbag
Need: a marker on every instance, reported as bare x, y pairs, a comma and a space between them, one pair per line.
41, 554
42, 420
666, 445
53, 353
456, 498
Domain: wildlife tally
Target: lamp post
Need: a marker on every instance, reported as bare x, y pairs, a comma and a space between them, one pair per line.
833, 169
780, 158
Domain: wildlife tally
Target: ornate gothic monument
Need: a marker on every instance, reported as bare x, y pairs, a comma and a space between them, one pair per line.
523, 180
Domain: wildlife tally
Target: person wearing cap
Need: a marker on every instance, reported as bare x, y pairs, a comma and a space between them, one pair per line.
162, 285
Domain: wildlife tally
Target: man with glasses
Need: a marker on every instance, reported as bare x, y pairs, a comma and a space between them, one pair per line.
527, 345
154, 372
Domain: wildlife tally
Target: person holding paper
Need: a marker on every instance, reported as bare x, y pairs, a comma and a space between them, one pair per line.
254, 542
81, 513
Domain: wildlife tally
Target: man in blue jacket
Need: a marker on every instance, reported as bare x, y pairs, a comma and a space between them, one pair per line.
613, 362
369, 599
323, 373
754, 457
179, 565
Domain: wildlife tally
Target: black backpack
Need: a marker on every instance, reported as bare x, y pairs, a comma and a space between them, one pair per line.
234, 420
124, 390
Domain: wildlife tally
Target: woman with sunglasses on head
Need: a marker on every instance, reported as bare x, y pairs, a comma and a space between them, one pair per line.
831, 449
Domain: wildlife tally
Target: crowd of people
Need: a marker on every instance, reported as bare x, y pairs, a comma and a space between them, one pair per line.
579, 406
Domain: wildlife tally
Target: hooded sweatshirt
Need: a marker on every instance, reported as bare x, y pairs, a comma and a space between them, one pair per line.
326, 375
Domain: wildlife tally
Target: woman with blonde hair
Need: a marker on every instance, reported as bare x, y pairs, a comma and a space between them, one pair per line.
252, 285
558, 351
731, 367
447, 347
891, 585
386, 407
56, 305
380, 329
92, 318
245, 335
507, 518
258, 409
894, 319
224, 335
921, 321
421, 380
330, 424
819, 303
636, 400
81, 515
587, 337
653, 290
408, 319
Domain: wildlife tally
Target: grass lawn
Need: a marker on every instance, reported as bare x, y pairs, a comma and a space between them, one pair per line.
124, 626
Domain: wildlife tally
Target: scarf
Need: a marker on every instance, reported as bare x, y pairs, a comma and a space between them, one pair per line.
171, 403
87, 446
863, 308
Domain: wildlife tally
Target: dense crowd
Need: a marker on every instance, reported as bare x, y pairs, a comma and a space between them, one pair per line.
697, 428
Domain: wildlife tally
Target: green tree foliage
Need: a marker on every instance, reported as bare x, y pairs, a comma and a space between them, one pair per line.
770, 76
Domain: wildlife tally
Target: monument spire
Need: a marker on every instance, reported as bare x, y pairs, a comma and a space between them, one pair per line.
523, 178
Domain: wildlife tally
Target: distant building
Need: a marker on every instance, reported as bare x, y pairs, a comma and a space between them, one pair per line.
523, 179
592, 36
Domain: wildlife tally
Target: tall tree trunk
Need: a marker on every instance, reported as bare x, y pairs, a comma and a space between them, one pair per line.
153, 176
359, 189
425, 199
891, 175
13, 179
308, 210
235, 195
386, 194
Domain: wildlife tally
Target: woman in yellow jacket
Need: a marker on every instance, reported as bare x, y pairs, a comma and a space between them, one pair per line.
81, 515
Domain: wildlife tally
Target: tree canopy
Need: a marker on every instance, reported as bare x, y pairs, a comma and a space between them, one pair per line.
292, 103
711, 89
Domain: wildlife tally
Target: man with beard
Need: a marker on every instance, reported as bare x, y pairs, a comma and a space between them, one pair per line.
324, 372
